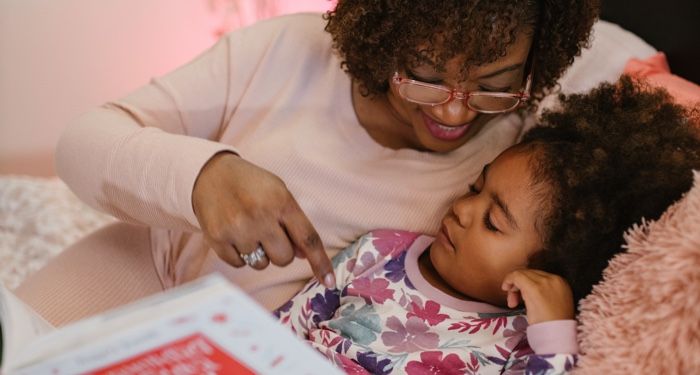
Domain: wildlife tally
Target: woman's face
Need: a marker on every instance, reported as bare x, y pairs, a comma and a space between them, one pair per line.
491, 231
446, 127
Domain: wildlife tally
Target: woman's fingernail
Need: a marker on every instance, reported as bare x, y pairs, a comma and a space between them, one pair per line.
329, 280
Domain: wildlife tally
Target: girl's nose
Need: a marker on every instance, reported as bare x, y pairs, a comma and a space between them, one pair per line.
463, 210
453, 113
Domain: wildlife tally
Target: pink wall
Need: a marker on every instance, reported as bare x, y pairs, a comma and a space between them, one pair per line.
61, 58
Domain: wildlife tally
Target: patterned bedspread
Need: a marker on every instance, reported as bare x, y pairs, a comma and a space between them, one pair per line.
39, 217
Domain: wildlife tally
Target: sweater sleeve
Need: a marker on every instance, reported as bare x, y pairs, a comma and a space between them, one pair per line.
553, 349
138, 158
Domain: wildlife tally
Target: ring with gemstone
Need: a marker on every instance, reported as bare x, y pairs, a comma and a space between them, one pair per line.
255, 257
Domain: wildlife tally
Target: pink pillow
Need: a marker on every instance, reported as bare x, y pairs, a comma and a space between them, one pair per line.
644, 317
656, 71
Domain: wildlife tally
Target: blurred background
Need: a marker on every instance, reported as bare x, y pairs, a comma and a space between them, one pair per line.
59, 58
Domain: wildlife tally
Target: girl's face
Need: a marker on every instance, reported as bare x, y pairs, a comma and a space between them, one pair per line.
490, 231
446, 127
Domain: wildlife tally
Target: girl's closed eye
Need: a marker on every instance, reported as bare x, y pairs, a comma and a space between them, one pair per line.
489, 224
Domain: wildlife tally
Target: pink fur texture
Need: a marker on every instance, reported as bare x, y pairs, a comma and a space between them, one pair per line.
644, 317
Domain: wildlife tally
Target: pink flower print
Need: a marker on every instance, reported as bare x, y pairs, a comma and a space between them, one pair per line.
430, 314
374, 290
473, 364
413, 337
362, 264
475, 325
433, 363
392, 241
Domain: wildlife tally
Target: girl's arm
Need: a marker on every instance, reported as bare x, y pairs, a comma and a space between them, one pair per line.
551, 334
550, 348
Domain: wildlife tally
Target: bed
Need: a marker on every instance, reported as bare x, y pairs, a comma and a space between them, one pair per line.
40, 216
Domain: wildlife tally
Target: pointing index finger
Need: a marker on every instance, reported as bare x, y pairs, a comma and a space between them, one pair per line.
304, 237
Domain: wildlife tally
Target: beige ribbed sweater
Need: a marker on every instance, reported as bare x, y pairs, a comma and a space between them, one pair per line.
274, 93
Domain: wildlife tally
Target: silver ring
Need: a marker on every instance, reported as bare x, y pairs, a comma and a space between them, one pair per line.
255, 257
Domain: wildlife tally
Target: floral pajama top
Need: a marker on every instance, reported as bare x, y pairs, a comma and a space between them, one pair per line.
384, 317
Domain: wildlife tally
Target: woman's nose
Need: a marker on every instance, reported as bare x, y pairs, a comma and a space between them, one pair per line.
453, 113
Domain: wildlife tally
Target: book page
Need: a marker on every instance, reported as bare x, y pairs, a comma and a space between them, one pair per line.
20, 326
209, 326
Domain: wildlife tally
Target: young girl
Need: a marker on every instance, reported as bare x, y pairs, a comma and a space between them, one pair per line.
538, 226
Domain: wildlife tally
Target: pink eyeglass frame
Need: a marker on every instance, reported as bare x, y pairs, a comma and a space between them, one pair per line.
523, 95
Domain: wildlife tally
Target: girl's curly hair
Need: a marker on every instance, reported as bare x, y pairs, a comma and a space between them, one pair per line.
376, 37
609, 158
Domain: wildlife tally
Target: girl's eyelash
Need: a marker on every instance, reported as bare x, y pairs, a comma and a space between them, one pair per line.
488, 224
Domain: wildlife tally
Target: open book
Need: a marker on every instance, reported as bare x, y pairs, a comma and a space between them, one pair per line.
205, 327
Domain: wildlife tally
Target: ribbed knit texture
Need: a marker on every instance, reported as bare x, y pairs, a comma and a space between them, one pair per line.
297, 122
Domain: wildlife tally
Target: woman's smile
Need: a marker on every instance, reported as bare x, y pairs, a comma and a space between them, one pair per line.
444, 132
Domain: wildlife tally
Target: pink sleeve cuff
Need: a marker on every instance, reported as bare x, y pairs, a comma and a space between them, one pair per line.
199, 152
553, 337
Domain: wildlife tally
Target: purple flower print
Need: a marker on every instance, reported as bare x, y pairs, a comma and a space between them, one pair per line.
390, 241
413, 337
324, 305
349, 366
396, 271
430, 314
371, 290
517, 338
538, 364
432, 363
370, 363
283, 309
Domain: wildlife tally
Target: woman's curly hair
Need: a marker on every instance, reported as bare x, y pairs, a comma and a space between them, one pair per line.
609, 158
377, 37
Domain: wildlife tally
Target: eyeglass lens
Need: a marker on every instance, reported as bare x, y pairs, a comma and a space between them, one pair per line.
432, 95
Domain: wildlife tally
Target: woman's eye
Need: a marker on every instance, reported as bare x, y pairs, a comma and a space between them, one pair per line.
414, 77
494, 89
489, 224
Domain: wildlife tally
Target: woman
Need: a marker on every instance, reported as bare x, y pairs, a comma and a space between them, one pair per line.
283, 139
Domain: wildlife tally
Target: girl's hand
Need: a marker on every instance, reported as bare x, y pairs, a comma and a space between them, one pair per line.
241, 206
546, 296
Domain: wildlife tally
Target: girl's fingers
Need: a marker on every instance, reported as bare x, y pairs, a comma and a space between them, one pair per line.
513, 299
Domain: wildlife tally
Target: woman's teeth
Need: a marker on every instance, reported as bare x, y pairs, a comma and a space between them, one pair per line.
450, 128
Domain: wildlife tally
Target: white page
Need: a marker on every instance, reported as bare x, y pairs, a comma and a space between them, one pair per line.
131, 339
85, 331
20, 326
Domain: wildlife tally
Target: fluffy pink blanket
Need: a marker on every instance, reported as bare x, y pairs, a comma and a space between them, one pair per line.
644, 317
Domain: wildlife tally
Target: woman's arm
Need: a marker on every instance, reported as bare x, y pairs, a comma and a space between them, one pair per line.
150, 158
138, 158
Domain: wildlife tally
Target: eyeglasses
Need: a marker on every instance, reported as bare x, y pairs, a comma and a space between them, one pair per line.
479, 101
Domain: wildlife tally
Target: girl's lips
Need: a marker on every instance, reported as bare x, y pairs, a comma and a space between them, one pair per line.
445, 236
443, 132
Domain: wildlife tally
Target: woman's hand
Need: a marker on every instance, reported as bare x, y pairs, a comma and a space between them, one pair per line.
546, 296
241, 206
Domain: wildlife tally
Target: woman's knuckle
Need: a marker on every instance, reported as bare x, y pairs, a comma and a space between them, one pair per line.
312, 240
